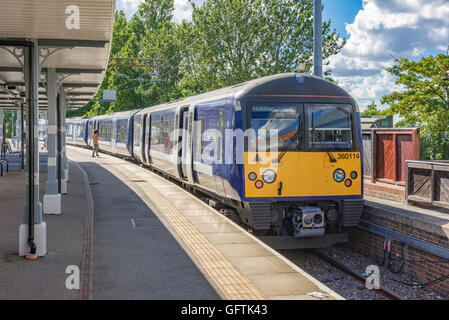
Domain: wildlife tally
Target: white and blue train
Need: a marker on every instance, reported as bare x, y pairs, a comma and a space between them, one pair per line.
311, 188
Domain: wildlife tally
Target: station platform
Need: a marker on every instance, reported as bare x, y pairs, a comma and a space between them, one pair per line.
44, 278
151, 240
419, 239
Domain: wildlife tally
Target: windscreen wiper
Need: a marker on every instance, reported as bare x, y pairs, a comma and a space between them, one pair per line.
331, 156
297, 134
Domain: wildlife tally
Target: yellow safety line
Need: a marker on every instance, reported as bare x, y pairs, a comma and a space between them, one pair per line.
230, 282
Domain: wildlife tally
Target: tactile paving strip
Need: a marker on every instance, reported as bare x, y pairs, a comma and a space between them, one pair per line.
230, 282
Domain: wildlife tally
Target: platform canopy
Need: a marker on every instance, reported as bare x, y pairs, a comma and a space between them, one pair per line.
79, 55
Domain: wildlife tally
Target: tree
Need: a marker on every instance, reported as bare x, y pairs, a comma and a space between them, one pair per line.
424, 101
239, 40
227, 42
10, 127
373, 111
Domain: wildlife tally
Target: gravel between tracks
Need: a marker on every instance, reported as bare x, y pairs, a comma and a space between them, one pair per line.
346, 285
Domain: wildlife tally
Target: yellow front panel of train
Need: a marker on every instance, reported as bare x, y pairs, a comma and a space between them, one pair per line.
303, 174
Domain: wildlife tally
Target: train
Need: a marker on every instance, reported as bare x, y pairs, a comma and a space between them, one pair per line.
283, 151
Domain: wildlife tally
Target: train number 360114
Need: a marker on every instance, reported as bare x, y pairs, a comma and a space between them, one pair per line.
348, 156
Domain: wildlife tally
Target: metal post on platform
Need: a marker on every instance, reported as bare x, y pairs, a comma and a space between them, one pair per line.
16, 141
65, 169
317, 40
59, 141
1, 130
52, 197
33, 230
22, 135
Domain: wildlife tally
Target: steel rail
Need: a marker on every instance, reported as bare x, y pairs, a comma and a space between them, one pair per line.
384, 291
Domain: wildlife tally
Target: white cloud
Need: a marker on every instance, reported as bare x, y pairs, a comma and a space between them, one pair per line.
183, 8
384, 30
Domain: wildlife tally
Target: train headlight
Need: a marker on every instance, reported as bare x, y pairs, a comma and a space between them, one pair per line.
354, 175
269, 176
339, 175
259, 184
252, 176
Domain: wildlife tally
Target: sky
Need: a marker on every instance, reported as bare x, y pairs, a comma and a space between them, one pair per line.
377, 31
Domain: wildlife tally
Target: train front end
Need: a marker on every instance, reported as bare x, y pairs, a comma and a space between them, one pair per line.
303, 174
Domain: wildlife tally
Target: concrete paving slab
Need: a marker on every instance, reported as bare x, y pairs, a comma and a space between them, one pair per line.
283, 284
266, 265
243, 250
227, 238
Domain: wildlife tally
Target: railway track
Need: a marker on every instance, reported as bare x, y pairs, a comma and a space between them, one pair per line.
383, 291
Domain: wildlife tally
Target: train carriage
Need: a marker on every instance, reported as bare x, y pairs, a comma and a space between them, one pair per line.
284, 151
76, 131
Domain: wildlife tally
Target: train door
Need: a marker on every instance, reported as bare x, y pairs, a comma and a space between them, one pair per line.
187, 152
180, 139
219, 157
114, 136
148, 138
208, 149
144, 140
177, 142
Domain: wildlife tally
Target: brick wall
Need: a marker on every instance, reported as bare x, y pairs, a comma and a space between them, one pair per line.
382, 194
384, 191
372, 245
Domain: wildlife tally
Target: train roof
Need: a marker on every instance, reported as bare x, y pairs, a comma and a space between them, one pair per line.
121, 114
282, 85
75, 119
286, 84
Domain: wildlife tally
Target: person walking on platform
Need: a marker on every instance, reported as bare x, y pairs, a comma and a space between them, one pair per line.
95, 137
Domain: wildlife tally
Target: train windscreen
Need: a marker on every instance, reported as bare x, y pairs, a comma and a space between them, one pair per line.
275, 124
329, 126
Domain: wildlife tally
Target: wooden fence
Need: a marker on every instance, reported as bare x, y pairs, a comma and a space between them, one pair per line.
385, 152
427, 182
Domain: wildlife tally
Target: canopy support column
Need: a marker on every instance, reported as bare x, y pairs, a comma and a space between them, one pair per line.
1, 131
52, 198
62, 181
22, 133
33, 230
65, 167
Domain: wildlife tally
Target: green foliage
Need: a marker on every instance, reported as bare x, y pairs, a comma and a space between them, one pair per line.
7, 114
238, 40
373, 111
424, 102
227, 42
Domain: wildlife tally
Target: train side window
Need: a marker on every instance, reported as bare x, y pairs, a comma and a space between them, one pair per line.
137, 124
220, 139
200, 136
155, 133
